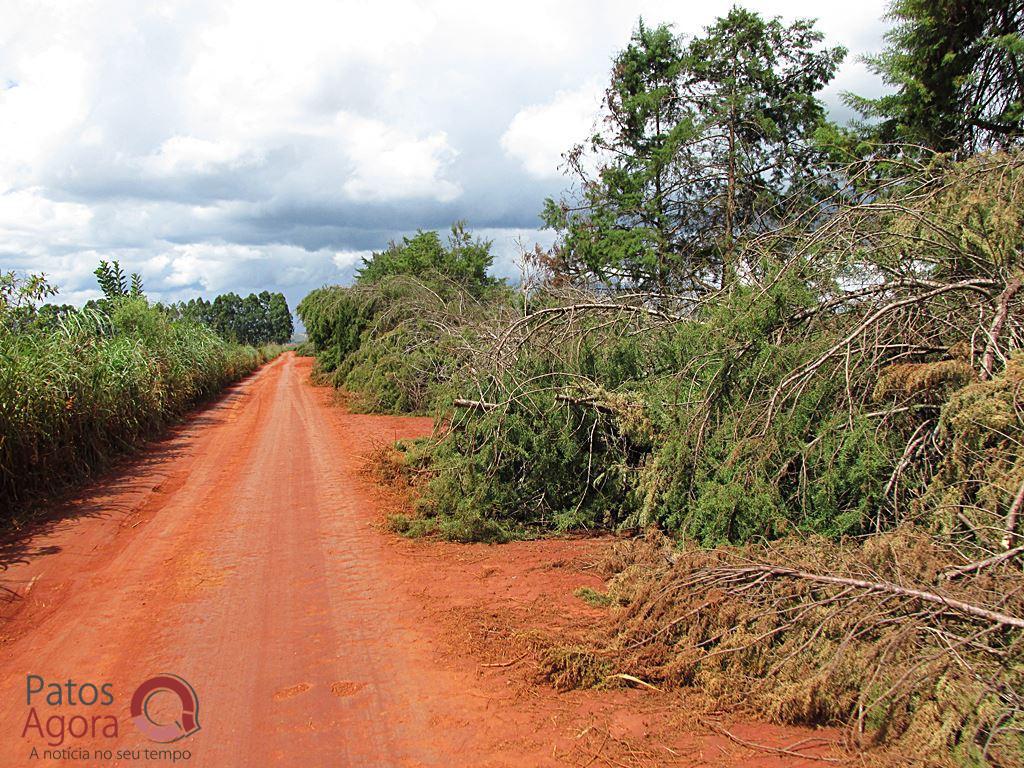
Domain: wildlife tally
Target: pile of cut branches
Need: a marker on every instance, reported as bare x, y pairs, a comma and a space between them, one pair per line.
897, 638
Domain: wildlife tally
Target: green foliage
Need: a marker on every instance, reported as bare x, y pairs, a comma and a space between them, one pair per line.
593, 597
19, 298
983, 469
693, 423
112, 280
529, 470
115, 284
380, 339
704, 143
956, 67
628, 230
465, 260
335, 319
822, 393
665, 434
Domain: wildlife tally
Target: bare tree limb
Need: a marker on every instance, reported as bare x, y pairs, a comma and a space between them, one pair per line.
475, 405
584, 307
988, 562
893, 589
590, 401
1011, 518
812, 366
1003, 309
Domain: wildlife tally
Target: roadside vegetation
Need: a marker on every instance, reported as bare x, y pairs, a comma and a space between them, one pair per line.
790, 351
80, 386
386, 340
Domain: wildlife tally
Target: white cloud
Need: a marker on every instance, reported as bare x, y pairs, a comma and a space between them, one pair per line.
207, 266
350, 259
388, 164
29, 219
508, 246
268, 61
45, 97
539, 134
183, 155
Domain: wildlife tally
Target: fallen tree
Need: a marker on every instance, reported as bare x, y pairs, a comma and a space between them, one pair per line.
880, 643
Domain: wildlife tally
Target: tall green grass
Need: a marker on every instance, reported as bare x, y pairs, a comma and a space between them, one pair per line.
76, 393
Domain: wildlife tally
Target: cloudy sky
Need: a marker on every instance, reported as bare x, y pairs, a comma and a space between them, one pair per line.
246, 145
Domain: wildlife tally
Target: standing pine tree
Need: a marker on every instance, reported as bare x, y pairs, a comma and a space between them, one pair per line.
702, 145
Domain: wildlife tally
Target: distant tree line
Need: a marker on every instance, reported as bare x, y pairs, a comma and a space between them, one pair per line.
255, 320
259, 318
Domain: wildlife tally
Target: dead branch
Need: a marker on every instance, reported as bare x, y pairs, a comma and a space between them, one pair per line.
584, 307
873, 290
893, 589
764, 747
484, 406
1003, 309
908, 455
1011, 518
988, 562
475, 405
509, 663
590, 401
810, 367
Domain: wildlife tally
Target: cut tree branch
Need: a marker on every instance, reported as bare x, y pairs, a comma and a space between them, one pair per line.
892, 589
590, 401
475, 405
988, 562
1002, 310
1010, 534
584, 307
811, 367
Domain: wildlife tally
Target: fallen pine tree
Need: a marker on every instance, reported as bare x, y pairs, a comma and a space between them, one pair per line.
871, 637
841, 430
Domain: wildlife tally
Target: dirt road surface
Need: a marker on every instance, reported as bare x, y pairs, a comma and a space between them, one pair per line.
245, 554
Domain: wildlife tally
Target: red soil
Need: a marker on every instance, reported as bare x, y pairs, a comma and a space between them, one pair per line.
245, 553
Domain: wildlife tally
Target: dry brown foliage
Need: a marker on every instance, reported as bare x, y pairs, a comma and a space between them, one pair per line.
929, 681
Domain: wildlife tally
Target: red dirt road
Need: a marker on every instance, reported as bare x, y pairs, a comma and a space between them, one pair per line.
244, 553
